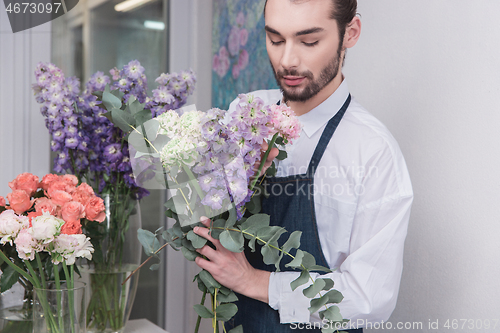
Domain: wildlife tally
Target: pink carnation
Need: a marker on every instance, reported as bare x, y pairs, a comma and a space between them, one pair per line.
2, 201
47, 180
83, 193
25, 181
72, 211
19, 201
60, 197
60, 185
45, 204
26, 245
284, 121
95, 210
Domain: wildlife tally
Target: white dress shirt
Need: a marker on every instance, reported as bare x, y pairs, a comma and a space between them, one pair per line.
362, 197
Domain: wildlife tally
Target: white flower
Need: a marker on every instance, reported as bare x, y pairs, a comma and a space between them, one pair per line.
10, 225
190, 124
45, 227
26, 245
169, 123
179, 151
69, 247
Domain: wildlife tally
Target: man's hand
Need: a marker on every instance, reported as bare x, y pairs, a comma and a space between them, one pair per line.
231, 269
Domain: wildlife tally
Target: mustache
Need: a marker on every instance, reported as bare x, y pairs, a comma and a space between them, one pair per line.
293, 72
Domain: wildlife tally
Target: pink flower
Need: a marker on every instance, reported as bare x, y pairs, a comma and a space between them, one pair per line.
283, 120
243, 37
240, 19
26, 245
25, 181
95, 210
10, 225
83, 193
236, 71
45, 204
71, 228
233, 41
223, 52
71, 180
243, 59
60, 185
69, 247
60, 197
2, 201
47, 180
19, 201
72, 211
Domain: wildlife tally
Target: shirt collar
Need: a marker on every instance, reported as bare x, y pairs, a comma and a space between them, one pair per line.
313, 120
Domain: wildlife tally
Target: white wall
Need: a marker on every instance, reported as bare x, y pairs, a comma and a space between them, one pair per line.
24, 140
429, 69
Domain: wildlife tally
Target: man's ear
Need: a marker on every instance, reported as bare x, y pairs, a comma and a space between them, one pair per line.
352, 32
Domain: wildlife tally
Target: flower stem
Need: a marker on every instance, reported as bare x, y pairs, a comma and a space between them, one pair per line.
198, 321
263, 160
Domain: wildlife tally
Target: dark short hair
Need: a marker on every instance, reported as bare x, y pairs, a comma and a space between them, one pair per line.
343, 11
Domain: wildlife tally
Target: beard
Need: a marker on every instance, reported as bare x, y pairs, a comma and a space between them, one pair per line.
327, 74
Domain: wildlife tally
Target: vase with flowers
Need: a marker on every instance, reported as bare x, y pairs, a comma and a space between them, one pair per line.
91, 147
40, 239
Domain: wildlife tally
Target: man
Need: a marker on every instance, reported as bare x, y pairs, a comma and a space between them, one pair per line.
355, 219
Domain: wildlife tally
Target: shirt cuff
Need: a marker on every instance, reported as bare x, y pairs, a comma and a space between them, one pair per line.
291, 305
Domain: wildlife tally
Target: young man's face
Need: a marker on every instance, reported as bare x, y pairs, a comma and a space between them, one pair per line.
304, 47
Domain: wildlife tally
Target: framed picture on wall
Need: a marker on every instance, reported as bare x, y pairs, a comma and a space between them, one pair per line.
239, 58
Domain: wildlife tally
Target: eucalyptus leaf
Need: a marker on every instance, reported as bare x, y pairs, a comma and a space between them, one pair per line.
281, 155
110, 101
251, 244
148, 240
154, 267
319, 268
270, 255
331, 314
123, 120
226, 311
254, 223
237, 329
314, 289
268, 234
219, 223
302, 279
293, 241
209, 281
187, 244
232, 240
197, 241
142, 117
308, 260
279, 141
254, 205
232, 218
188, 254
328, 284
202, 311
333, 296
227, 298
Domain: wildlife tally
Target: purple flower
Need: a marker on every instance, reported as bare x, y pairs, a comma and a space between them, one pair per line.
215, 199
162, 95
71, 142
233, 41
112, 153
133, 69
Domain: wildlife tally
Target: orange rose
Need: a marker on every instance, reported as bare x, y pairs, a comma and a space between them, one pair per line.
71, 180
94, 209
25, 181
71, 228
83, 193
45, 204
47, 180
31, 215
72, 211
60, 197
60, 185
2, 201
19, 201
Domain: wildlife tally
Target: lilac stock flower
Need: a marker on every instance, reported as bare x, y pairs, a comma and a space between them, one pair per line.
113, 153
133, 69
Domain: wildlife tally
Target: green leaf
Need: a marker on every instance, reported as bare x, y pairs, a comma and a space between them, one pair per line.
308, 260
251, 244
232, 240
328, 284
231, 220
226, 311
279, 141
302, 279
319, 268
209, 281
197, 241
331, 314
270, 255
282, 155
110, 101
219, 223
149, 241
135, 106
122, 120
202, 311
293, 241
333, 296
254, 223
8, 279
270, 234
237, 329
154, 267
314, 288
254, 205
297, 261
231, 297
188, 254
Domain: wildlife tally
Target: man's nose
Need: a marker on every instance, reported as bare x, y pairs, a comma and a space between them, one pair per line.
290, 58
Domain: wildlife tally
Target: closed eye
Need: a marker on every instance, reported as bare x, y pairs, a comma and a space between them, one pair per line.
310, 44
275, 42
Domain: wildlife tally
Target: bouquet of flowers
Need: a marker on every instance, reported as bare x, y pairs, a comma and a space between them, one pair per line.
89, 146
40, 231
211, 163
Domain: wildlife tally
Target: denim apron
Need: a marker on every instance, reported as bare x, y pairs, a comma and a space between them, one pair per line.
290, 205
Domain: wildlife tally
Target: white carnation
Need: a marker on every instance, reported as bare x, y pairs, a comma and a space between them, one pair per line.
69, 247
10, 225
46, 227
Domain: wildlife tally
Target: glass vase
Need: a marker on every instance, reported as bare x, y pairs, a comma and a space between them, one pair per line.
16, 310
117, 253
59, 309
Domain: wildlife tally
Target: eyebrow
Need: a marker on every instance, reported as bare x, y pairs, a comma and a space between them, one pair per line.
299, 33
